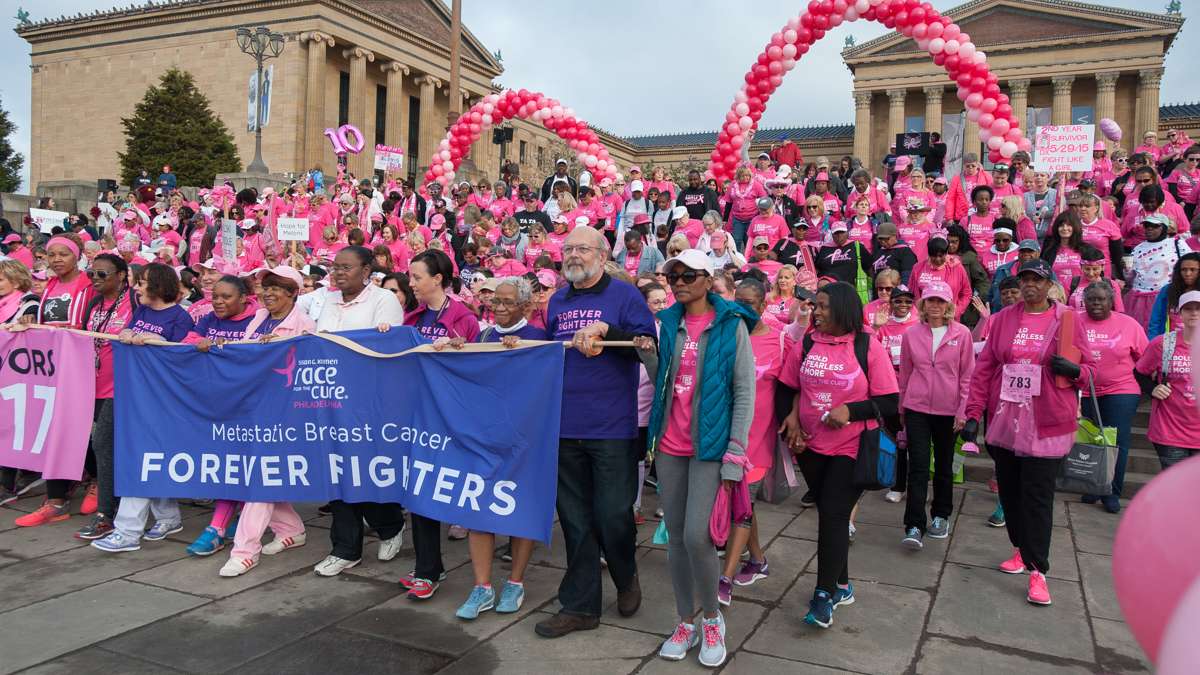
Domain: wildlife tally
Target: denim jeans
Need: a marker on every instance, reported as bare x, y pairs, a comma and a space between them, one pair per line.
739, 232
1117, 410
597, 483
1170, 455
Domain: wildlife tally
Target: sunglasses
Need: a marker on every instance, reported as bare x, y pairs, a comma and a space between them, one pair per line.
1193, 159
98, 274
813, 208
687, 276
1145, 181
1120, 160
883, 289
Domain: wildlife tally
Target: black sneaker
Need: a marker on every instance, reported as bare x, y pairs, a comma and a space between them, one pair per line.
98, 528
809, 499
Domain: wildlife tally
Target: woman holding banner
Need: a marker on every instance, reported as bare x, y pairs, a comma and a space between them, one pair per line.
63, 302
16, 301
278, 318
359, 304
512, 299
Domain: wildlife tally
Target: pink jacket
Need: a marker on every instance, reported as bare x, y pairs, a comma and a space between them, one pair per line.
1055, 409
293, 324
955, 276
936, 383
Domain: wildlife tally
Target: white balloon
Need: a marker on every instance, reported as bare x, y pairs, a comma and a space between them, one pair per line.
862, 5
852, 13
444, 144
602, 165
488, 107
936, 46
742, 109
966, 52
973, 113
789, 51
995, 142
985, 135
492, 98
568, 112
448, 165
745, 122
952, 46
788, 64
740, 96
486, 119
790, 36
445, 155
980, 57
923, 44
557, 111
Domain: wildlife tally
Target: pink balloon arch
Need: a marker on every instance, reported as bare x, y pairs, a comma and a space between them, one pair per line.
494, 108
949, 47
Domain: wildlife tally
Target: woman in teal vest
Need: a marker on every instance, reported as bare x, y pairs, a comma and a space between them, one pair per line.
699, 424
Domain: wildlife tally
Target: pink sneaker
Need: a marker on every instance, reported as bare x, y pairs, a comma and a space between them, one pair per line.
1014, 565
1038, 593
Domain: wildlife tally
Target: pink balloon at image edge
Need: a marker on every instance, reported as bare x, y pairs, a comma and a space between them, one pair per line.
1156, 554
1180, 650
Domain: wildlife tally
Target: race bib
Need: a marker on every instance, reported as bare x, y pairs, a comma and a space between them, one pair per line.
1020, 382
895, 350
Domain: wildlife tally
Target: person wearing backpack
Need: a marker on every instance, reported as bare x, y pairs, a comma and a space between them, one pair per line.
846, 383
1174, 417
699, 428
1031, 416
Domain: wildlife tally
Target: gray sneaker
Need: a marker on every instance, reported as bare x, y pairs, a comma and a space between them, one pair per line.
939, 528
683, 639
912, 539
712, 642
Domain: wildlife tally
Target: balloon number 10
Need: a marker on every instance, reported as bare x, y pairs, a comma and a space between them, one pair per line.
17, 393
346, 139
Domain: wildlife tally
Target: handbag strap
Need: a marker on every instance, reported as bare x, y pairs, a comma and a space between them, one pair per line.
1095, 403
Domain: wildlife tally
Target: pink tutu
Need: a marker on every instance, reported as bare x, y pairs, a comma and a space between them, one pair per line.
1139, 304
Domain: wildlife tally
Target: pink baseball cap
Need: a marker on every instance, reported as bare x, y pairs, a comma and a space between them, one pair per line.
940, 290
284, 271
641, 219
903, 161
636, 168
1188, 298
1099, 147
437, 222
822, 176
14, 237
547, 278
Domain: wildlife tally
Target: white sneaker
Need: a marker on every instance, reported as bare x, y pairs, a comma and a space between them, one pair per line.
236, 567
712, 641
893, 496
278, 545
332, 566
390, 548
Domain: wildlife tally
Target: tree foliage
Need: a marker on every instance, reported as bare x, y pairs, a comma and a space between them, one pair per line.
173, 124
11, 161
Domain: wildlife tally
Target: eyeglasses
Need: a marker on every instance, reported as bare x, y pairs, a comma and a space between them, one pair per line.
504, 302
572, 249
687, 276
98, 274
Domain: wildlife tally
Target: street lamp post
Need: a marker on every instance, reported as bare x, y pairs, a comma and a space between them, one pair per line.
262, 44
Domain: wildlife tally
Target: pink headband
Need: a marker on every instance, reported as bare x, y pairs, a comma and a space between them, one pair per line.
63, 241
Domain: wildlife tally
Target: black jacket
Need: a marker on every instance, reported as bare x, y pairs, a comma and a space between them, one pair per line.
546, 185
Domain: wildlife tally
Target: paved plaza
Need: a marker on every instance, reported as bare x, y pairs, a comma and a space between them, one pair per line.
68, 608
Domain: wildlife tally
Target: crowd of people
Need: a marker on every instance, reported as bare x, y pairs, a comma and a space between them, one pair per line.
792, 317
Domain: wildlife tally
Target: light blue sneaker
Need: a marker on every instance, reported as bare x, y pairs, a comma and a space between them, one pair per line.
481, 599
843, 596
116, 542
162, 530
512, 596
681, 641
712, 642
820, 610
939, 528
208, 543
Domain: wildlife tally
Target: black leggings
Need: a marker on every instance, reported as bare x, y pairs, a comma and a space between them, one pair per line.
925, 430
831, 479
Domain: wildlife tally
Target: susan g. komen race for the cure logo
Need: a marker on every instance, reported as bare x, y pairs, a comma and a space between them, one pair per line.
314, 380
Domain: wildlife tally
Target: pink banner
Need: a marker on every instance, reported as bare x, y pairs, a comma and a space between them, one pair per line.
47, 396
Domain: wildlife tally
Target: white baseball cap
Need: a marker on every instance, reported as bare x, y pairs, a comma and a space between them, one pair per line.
1187, 298
697, 260
679, 212
636, 186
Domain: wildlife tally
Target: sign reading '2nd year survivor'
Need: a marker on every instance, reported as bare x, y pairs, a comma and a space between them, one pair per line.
308, 420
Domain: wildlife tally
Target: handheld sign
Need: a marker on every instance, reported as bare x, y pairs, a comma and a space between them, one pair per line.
293, 229
388, 158
1063, 148
229, 239
47, 220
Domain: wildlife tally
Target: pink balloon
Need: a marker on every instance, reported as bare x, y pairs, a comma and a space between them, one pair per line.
974, 99
951, 46
973, 113
745, 122
1008, 149
790, 36
988, 105
775, 67
1000, 126
1024, 145
995, 142
935, 29
919, 31
1110, 129
985, 120
1180, 650
1156, 553
937, 45
951, 32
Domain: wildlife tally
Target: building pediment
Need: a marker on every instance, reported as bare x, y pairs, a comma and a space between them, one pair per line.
431, 20
1000, 22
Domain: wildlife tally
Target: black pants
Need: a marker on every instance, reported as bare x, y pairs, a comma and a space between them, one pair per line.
102, 452
923, 430
597, 482
1027, 495
893, 425
347, 530
427, 543
831, 480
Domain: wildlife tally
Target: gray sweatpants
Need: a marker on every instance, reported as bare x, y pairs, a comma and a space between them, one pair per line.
687, 489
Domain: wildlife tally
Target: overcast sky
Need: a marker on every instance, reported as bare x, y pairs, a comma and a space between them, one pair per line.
633, 67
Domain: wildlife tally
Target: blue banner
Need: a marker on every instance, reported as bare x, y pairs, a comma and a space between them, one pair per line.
465, 438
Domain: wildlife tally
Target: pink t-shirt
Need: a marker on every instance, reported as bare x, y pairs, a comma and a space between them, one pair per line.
916, 235
830, 376
1117, 342
677, 440
768, 361
891, 334
1076, 299
1175, 420
1067, 264
109, 320
773, 227
1098, 233
861, 232
993, 260
1185, 182
631, 263
1032, 337
979, 229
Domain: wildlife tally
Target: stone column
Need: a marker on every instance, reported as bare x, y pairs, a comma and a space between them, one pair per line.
360, 164
1147, 107
933, 108
862, 127
316, 148
1106, 99
1060, 111
395, 126
971, 142
1018, 98
431, 130
895, 113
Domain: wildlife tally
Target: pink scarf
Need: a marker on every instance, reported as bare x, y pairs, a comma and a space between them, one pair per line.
9, 304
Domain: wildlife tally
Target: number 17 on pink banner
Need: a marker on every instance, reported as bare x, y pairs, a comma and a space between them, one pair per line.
47, 397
